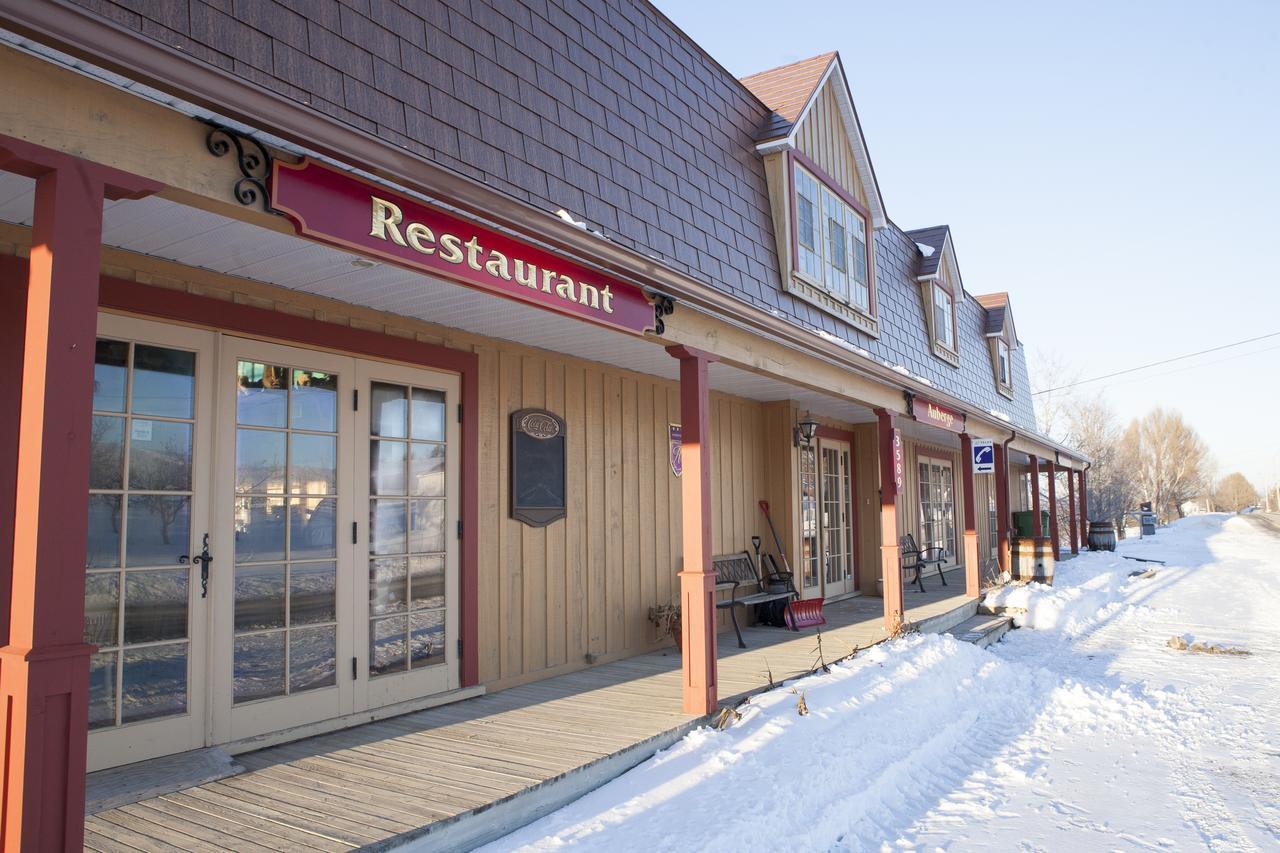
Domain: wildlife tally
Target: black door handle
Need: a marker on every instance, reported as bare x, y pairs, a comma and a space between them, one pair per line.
202, 560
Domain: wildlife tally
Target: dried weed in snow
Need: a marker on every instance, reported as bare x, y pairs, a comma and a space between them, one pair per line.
1187, 643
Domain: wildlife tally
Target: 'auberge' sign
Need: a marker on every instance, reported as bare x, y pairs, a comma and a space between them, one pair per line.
350, 213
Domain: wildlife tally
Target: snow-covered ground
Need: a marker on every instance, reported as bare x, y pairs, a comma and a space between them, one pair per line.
1083, 731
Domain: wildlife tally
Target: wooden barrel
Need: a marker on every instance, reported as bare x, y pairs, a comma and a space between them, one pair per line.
1102, 536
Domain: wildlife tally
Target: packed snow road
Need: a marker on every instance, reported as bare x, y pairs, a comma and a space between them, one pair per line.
1086, 730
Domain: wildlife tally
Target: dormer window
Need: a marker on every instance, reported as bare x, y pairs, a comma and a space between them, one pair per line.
1002, 359
832, 235
1000, 334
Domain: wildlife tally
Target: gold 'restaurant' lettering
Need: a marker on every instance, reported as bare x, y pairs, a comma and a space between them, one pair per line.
387, 222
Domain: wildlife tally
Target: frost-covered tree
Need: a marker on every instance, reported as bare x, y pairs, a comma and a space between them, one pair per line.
1169, 460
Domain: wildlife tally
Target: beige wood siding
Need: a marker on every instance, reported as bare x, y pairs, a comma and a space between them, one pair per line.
822, 136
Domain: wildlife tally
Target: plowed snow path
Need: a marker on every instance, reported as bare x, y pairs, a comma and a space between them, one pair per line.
1084, 731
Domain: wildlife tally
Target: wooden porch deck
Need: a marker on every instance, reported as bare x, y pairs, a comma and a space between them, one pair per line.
513, 755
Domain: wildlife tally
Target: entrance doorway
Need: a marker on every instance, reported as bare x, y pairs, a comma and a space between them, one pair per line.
826, 519
310, 502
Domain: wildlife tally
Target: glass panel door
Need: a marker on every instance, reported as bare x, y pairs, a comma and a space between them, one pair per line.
284, 624
410, 467
937, 506
144, 601
836, 518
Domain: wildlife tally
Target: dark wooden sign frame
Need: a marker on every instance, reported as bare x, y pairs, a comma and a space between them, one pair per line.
538, 470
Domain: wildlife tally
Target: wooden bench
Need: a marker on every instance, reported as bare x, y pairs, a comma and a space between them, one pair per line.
738, 574
916, 559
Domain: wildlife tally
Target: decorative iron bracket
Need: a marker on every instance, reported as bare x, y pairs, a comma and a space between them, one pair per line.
910, 399
663, 306
253, 161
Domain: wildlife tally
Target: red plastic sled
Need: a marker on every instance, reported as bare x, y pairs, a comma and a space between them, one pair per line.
805, 613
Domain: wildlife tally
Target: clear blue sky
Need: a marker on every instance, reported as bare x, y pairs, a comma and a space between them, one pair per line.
1114, 165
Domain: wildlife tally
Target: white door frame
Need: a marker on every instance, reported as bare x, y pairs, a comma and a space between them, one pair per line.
124, 744
848, 585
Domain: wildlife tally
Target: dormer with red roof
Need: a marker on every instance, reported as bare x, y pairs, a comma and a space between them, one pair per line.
823, 193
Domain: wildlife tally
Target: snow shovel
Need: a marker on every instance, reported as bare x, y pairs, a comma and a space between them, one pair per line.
799, 613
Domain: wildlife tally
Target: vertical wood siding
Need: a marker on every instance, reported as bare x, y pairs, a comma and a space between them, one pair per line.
579, 590
823, 137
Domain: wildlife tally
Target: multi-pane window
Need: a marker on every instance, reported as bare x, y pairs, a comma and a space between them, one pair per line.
1002, 356
937, 506
943, 318
285, 508
406, 528
810, 552
993, 520
139, 528
832, 242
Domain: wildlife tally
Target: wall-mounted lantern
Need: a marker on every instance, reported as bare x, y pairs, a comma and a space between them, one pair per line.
805, 431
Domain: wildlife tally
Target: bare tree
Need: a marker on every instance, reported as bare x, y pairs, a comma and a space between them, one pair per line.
1234, 492
1169, 460
1053, 402
1093, 428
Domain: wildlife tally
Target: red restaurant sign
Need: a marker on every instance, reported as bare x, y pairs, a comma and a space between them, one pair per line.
350, 213
931, 413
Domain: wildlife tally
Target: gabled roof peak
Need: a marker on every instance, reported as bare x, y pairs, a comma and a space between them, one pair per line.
788, 89
935, 237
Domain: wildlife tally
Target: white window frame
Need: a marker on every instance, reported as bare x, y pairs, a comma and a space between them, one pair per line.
816, 255
944, 328
1004, 363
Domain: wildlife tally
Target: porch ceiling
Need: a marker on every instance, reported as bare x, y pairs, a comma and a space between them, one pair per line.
175, 232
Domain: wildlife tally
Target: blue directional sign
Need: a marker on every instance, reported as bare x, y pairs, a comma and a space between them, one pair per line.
984, 456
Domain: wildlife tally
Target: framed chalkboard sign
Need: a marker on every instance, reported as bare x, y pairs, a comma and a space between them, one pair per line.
537, 467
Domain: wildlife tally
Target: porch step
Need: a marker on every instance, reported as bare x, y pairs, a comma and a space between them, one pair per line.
1000, 610
982, 630
119, 786
944, 622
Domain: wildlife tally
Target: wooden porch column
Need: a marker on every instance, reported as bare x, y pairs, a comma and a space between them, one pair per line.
1084, 507
697, 575
891, 467
1037, 526
1071, 504
1002, 507
1053, 508
44, 666
972, 577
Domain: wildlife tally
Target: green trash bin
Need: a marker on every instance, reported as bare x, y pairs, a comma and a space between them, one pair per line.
1024, 522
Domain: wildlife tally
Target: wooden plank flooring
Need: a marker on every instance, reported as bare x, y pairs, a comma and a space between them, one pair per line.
371, 783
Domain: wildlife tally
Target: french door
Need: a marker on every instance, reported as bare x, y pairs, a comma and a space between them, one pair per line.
272, 538
145, 607
826, 519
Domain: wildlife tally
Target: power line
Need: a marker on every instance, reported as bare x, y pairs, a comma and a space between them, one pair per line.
1156, 364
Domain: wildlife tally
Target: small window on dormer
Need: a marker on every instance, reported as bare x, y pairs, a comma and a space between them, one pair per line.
831, 242
943, 318
1002, 357
807, 227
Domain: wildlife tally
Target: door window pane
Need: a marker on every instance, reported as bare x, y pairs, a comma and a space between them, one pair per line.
106, 453
313, 526
388, 410
387, 585
110, 375
388, 527
428, 414
386, 467
260, 461
102, 690
258, 671
426, 526
159, 456
154, 682
155, 606
313, 401
102, 608
426, 581
261, 394
387, 645
313, 464
426, 637
259, 594
260, 526
159, 530
312, 658
312, 590
103, 545
426, 470
164, 382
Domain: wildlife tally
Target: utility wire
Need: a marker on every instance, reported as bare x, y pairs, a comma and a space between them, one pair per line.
1155, 364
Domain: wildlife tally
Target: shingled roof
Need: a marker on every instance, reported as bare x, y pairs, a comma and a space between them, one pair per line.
787, 91
935, 238
996, 306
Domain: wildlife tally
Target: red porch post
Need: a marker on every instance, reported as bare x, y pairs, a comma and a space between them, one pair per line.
1002, 507
44, 667
890, 551
1053, 507
1037, 526
972, 579
697, 576
1084, 507
1071, 504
